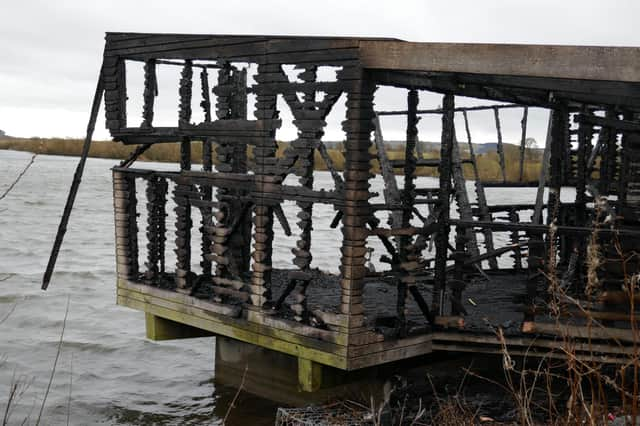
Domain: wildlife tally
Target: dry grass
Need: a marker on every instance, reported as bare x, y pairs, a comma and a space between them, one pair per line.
488, 164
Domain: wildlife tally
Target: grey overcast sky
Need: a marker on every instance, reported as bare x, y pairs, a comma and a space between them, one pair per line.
50, 51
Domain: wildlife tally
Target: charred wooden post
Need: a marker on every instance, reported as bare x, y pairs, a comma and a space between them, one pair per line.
150, 93
496, 116
630, 195
442, 237
585, 133
515, 239
458, 284
207, 166
124, 204
408, 256
628, 156
231, 234
183, 207
523, 141
481, 197
309, 131
559, 120
156, 228
240, 239
265, 161
358, 127
462, 198
609, 154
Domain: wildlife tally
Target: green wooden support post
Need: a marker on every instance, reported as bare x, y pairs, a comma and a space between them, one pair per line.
309, 375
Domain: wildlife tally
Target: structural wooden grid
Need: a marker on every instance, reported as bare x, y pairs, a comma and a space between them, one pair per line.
218, 218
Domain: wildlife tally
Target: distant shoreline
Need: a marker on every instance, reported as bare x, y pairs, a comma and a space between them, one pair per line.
488, 165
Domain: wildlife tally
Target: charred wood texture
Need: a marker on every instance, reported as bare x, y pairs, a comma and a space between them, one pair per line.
156, 228
150, 93
496, 115
481, 197
523, 142
183, 222
442, 237
358, 128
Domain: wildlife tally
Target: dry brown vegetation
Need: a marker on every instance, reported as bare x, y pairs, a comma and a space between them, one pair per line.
488, 164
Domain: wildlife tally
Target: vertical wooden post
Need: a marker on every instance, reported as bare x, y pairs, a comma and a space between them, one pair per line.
585, 133
207, 166
515, 239
460, 254
625, 161
559, 121
150, 93
496, 115
152, 271
358, 127
309, 133
608, 157
183, 207
481, 198
124, 204
309, 375
240, 240
264, 155
408, 197
462, 198
523, 141
442, 236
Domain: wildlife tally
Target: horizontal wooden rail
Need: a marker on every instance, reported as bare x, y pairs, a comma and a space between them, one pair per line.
531, 227
460, 109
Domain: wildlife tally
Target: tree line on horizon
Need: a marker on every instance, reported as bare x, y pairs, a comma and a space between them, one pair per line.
487, 161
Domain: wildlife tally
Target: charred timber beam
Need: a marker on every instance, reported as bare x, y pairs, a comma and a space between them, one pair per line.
358, 127
496, 115
485, 213
523, 141
207, 166
608, 154
263, 214
457, 109
449, 84
134, 156
406, 254
150, 93
462, 198
559, 123
610, 122
442, 237
77, 178
543, 229
423, 162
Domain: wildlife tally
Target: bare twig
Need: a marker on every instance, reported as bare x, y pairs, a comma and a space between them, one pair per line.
4, 194
235, 398
17, 388
55, 362
70, 387
6, 277
11, 309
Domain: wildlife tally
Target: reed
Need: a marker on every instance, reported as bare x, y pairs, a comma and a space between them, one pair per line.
488, 165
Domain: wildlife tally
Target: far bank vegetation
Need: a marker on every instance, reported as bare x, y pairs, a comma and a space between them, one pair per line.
488, 162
